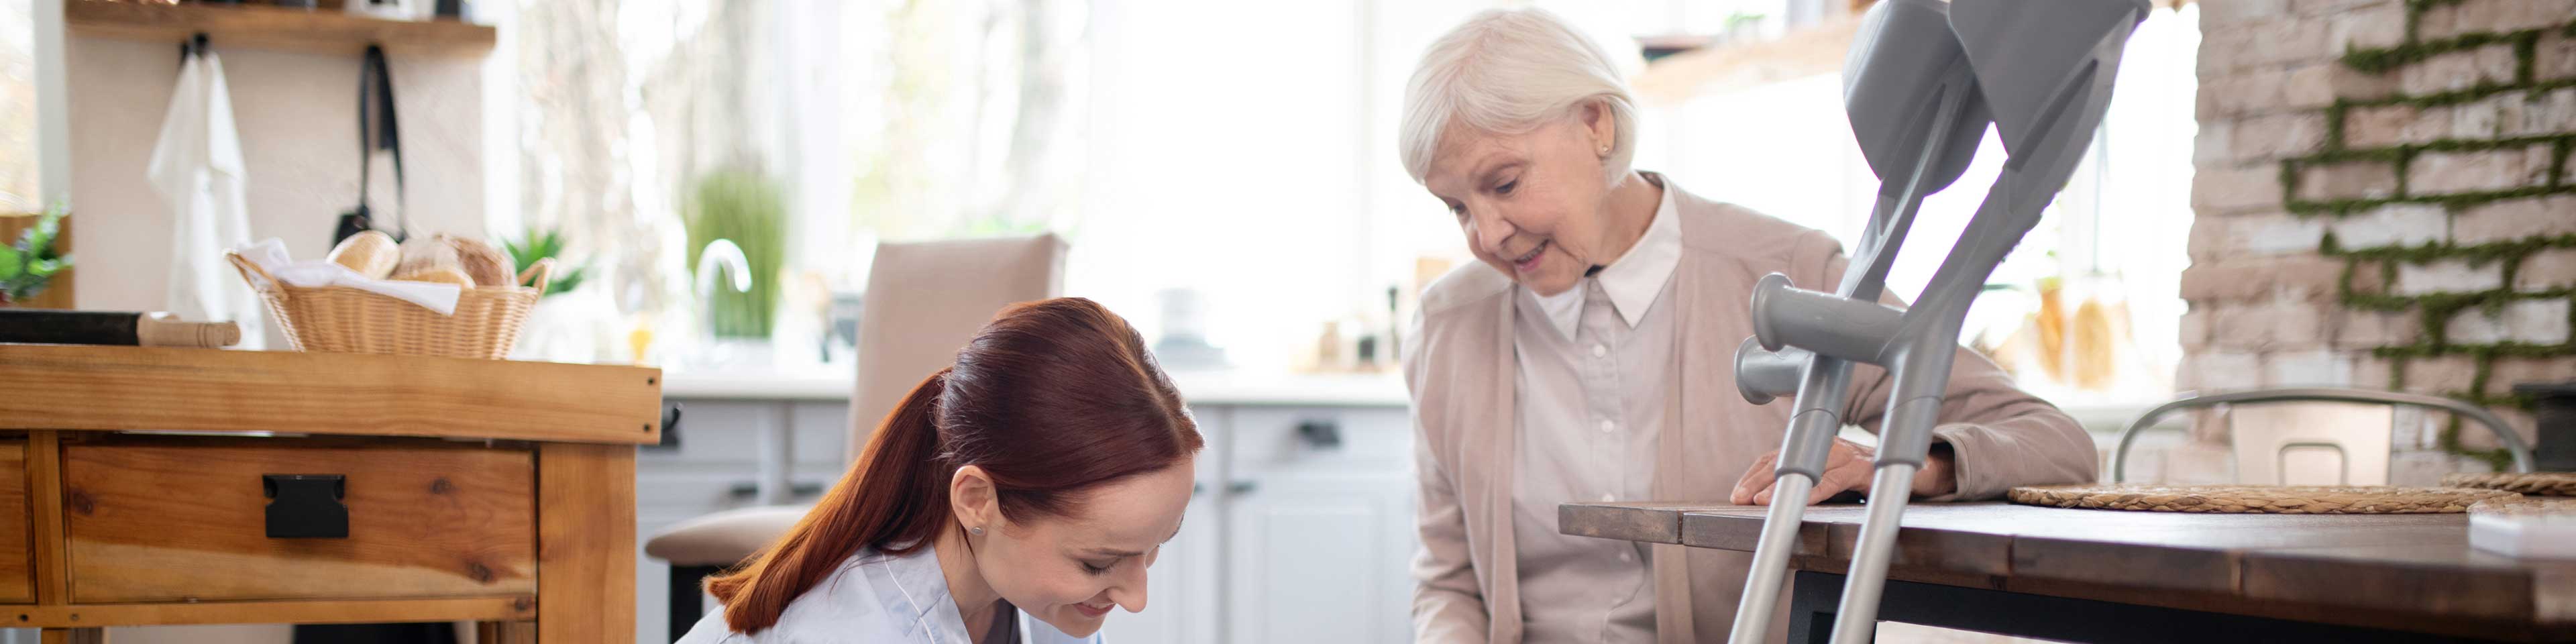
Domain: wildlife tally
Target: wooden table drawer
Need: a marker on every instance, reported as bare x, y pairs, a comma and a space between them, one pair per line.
187, 519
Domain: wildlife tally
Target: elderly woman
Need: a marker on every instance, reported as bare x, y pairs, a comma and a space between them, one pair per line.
1589, 358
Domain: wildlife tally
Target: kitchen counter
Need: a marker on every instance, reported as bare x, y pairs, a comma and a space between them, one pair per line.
1199, 387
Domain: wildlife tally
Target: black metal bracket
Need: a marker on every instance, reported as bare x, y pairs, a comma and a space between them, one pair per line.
306, 506
670, 429
192, 46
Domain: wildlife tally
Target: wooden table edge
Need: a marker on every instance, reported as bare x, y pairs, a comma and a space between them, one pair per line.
335, 611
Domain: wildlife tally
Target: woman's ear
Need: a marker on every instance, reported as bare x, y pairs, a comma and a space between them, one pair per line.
972, 498
1604, 129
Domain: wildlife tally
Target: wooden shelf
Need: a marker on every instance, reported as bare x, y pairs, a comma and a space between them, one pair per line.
323, 31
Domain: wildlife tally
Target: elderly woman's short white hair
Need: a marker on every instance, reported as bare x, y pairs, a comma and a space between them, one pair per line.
1509, 72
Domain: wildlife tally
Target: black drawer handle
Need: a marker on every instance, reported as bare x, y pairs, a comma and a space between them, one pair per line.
306, 506
1320, 434
747, 489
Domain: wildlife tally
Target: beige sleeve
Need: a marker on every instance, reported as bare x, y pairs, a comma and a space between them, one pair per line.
1999, 436
1447, 604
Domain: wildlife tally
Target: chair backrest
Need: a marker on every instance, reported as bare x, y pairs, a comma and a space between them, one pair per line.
2310, 443
2273, 445
925, 299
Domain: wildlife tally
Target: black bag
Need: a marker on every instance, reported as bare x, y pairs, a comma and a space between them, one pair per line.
375, 132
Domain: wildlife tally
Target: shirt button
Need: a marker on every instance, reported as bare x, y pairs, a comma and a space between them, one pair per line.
1606, 426
1598, 351
1605, 497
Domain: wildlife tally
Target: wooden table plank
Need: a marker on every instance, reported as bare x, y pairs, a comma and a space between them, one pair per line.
45, 494
585, 543
156, 388
2383, 571
17, 551
341, 611
1930, 551
1740, 529
1642, 522
2435, 578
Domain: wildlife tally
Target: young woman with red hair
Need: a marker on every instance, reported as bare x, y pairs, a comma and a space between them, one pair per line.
1017, 495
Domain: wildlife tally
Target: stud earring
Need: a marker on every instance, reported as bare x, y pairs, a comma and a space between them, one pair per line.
977, 531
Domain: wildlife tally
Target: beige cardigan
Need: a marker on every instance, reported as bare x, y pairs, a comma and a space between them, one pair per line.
1459, 368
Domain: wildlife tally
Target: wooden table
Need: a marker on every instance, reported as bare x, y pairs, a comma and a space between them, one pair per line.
2116, 576
192, 486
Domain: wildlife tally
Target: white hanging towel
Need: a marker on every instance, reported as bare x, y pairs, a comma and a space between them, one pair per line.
197, 167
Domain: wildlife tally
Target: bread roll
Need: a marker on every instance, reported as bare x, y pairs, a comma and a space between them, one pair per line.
370, 253
486, 264
425, 254
442, 275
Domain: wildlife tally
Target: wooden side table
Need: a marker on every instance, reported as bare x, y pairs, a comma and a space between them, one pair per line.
150, 486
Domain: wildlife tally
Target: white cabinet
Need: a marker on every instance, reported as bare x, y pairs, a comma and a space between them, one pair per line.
1319, 526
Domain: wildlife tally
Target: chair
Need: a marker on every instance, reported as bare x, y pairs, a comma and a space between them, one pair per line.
2271, 443
924, 301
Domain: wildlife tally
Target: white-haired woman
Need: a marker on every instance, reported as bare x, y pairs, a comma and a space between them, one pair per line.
1589, 358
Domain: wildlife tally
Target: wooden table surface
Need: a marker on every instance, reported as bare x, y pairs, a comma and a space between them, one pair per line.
2406, 572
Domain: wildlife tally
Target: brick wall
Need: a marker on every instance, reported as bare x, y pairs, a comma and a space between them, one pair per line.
2383, 200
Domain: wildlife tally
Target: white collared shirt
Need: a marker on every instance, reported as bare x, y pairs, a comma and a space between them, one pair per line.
876, 597
1593, 381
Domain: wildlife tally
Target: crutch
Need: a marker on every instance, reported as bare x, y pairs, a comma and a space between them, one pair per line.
1915, 110
2043, 70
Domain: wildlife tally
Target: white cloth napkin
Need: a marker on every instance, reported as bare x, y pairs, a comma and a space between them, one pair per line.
270, 255
197, 166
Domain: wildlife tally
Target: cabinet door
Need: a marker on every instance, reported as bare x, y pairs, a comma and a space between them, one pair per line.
1320, 526
1182, 592
1181, 587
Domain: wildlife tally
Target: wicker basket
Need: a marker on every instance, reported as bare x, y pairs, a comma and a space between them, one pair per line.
340, 319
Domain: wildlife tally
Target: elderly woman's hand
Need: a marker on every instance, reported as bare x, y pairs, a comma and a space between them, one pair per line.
1848, 466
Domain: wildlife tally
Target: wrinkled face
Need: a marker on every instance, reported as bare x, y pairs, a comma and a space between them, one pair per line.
1530, 203
1069, 571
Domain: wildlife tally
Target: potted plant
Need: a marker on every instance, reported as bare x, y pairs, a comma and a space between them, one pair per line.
566, 324
747, 209
28, 266
543, 245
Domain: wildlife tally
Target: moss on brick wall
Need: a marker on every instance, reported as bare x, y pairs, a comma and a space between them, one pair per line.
2437, 309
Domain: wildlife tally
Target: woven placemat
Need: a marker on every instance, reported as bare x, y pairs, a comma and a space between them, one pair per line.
2255, 499
2538, 483
2526, 507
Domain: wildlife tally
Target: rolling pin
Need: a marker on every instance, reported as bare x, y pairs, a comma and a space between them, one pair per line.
156, 329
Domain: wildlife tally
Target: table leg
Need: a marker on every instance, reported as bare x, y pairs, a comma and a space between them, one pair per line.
585, 543
688, 597
777, 457
505, 632
1812, 599
52, 565
75, 636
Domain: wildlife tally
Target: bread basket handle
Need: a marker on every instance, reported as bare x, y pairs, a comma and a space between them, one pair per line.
539, 275
250, 271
